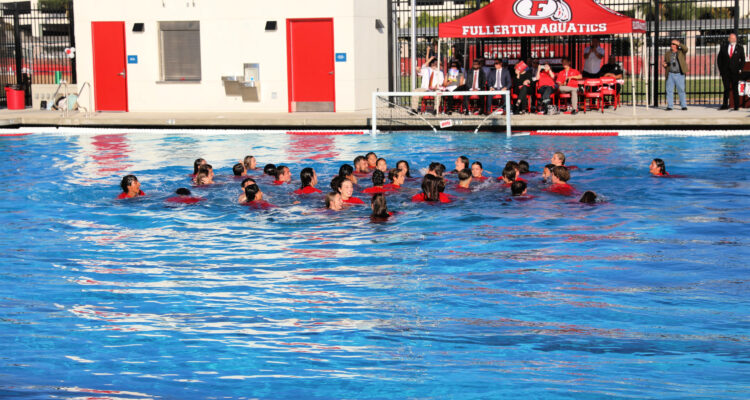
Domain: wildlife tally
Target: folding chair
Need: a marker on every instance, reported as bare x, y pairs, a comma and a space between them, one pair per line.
609, 91
592, 94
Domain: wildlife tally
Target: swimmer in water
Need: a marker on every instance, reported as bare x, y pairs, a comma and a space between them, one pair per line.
198, 162
588, 197
205, 175
309, 179
130, 187
239, 170
252, 191
518, 188
464, 180
523, 167
378, 179
184, 197
508, 177
547, 172
397, 177
270, 170
381, 165
657, 168
560, 177
517, 168
249, 163
283, 175
476, 171
436, 169
379, 208
243, 185
461, 163
346, 189
347, 172
558, 159
404, 165
333, 201
372, 159
432, 190
360, 166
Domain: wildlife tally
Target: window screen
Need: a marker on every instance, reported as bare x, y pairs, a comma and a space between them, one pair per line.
180, 44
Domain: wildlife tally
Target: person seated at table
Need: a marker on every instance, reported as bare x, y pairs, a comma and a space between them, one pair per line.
545, 86
475, 81
377, 183
381, 165
432, 191
432, 81
499, 79
309, 179
184, 197
462, 162
568, 81
379, 208
243, 185
658, 168
130, 187
346, 171
522, 87
612, 70
249, 163
360, 166
560, 177
477, 170
464, 180
239, 170
333, 201
283, 175
397, 177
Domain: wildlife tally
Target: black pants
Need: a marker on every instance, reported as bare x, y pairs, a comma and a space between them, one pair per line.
546, 92
589, 75
523, 93
730, 85
482, 101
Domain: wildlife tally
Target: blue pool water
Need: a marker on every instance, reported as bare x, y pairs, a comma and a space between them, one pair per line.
645, 295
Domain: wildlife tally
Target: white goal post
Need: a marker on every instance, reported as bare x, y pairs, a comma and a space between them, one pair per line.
394, 109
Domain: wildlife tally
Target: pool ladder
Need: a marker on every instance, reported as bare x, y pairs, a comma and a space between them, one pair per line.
65, 111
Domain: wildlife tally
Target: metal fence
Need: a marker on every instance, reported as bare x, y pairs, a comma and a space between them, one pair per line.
701, 25
33, 43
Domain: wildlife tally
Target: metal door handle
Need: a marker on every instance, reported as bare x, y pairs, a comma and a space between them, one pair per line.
330, 73
122, 73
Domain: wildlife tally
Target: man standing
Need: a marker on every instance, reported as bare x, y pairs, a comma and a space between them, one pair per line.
677, 68
432, 80
730, 60
499, 79
592, 56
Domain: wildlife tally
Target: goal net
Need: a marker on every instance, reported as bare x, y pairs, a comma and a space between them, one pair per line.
467, 110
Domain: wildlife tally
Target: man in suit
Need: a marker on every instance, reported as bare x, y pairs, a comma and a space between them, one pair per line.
475, 80
730, 60
499, 79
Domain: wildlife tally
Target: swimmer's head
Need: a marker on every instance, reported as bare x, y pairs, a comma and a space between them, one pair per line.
203, 178
658, 167
246, 182
252, 192
464, 175
588, 197
360, 164
379, 206
347, 189
436, 169
509, 174
198, 162
547, 172
130, 184
476, 169
308, 177
560, 174
404, 165
346, 170
238, 169
397, 176
378, 178
336, 183
431, 187
462, 162
558, 158
270, 170
518, 188
183, 192
334, 202
283, 174
523, 166
381, 165
249, 163
371, 158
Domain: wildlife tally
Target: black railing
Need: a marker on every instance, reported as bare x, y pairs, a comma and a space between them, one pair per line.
701, 25
33, 43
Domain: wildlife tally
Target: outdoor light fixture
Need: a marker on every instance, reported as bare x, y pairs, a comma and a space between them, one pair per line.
379, 25
138, 27
270, 26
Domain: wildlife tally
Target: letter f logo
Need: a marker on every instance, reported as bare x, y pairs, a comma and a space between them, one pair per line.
536, 7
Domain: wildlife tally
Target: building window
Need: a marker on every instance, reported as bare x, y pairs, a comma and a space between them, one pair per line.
180, 44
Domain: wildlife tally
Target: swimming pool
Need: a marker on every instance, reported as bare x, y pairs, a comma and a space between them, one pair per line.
644, 295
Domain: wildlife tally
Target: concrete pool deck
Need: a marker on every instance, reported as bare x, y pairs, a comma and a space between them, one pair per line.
696, 117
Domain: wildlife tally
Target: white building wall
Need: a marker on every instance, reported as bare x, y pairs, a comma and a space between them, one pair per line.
232, 34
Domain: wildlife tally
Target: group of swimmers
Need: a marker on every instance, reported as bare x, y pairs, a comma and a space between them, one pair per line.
342, 185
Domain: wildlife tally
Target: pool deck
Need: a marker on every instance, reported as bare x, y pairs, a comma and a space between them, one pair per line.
696, 117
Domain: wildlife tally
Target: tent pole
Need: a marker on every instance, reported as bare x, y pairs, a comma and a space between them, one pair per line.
413, 44
632, 71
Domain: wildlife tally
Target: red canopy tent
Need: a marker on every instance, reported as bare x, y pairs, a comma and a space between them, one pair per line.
520, 18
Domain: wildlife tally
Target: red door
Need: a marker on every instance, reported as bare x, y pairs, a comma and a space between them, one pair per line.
310, 64
110, 72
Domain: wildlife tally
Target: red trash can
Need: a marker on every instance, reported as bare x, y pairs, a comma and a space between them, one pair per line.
16, 98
